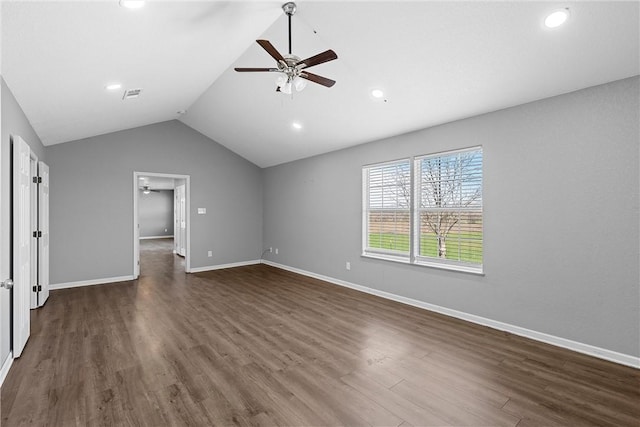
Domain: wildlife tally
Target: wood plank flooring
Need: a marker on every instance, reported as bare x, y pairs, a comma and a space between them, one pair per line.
260, 346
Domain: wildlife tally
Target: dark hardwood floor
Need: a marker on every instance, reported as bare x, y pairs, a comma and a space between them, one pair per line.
260, 346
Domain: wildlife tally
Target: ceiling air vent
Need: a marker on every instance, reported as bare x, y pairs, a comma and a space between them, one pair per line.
131, 93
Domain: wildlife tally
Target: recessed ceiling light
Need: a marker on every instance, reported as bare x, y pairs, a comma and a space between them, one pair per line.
132, 4
113, 86
557, 18
296, 125
377, 93
142, 177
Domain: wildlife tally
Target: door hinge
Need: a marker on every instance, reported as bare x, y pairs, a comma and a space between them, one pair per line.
37, 234
37, 288
37, 180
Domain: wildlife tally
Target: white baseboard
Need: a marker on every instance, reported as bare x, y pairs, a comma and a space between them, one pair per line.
157, 237
602, 353
221, 266
4, 370
90, 282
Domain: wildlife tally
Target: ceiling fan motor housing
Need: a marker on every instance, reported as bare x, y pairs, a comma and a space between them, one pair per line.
288, 66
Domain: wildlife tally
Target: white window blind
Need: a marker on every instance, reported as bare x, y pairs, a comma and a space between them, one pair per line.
448, 189
426, 210
387, 208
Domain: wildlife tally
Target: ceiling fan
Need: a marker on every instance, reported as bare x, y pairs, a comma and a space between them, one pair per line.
146, 189
292, 69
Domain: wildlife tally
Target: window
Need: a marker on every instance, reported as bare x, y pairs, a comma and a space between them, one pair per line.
448, 191
426, 210
387, 207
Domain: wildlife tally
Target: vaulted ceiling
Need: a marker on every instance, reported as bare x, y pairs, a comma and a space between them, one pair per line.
435, 61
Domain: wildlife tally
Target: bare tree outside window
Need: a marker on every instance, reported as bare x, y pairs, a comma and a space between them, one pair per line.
450, 205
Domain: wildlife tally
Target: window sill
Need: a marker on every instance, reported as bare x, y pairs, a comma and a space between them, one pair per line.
386, 257
440, 266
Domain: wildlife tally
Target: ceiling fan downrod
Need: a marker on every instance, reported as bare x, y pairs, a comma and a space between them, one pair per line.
289, 9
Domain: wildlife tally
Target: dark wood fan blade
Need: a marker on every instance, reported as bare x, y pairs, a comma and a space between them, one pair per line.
266, 45
255, 70
317, 79
326, 56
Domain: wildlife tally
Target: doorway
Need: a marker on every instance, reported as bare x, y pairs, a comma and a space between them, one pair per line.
155, 236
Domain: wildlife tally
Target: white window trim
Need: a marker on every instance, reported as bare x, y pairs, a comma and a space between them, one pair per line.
387, 257
475, 269
445, 265
413, 258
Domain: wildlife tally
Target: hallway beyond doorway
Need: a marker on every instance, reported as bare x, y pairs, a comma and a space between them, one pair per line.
147, 182
156, 254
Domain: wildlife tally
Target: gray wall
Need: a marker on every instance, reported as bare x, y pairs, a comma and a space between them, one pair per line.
561, 190
91, 212
155, 213
14, 122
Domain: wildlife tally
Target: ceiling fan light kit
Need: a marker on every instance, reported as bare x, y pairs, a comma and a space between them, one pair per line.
293, 70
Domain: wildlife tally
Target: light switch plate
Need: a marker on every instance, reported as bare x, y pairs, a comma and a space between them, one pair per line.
202, 211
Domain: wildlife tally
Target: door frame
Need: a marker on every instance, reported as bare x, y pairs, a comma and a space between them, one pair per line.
136, 225
177, 226
33, 220
43, 233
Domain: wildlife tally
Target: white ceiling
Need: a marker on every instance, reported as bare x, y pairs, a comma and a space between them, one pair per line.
59, 55
436, 62
156, 182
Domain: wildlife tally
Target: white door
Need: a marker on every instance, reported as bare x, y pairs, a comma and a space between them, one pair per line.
21, 244
43, 240
182, 221
5, 248
176, 220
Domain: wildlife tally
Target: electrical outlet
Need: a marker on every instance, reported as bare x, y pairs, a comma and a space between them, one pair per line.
276, 251
270, 250
210, 254
348, 266
165, 230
